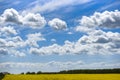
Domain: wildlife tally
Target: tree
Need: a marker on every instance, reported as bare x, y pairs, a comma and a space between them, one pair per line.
30, 73
1, 76
39, 72
22, 73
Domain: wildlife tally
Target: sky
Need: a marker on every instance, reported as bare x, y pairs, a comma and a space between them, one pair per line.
55, 35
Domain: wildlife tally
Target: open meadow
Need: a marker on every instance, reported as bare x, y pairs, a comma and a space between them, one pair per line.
63, 77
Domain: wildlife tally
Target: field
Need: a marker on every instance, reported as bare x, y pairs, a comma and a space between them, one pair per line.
64, 77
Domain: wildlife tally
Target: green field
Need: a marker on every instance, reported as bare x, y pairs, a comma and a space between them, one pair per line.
64, 77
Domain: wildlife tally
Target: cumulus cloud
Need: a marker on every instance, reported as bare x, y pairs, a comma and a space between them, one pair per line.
34, 38
11, 15
3, 51
12, 42
18, 53
98, 42
10, 50
35, 20
57, 24
8, 30
18, 42
84, 29
53, 66
16, 46
94, 42
32, 20
106, 19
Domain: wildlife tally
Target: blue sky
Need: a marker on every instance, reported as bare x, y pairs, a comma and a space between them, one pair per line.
52, 35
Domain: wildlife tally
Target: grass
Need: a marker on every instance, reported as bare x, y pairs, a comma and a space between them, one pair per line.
64, 77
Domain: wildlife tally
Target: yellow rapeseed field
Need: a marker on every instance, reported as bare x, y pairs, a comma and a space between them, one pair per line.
64, 77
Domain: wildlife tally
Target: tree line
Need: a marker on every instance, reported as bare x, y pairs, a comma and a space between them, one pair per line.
91, 71
80, 71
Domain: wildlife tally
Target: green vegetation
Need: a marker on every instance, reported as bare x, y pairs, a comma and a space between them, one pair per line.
91, 71
83, 71
1, 76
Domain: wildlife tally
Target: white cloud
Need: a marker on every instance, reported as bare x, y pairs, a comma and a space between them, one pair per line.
1, 20
57, 24
18, 42
14, 42
34, 38
7, 31
97, 42
84, 29
53, 66
18, 53
11, 15
47, 66
51, 5
53, 49
106, 19
15, 45
17, 39
10, 48
2, 42
32, 20
3, 51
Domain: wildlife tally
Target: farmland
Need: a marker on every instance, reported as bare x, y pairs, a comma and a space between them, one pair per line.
63, 77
